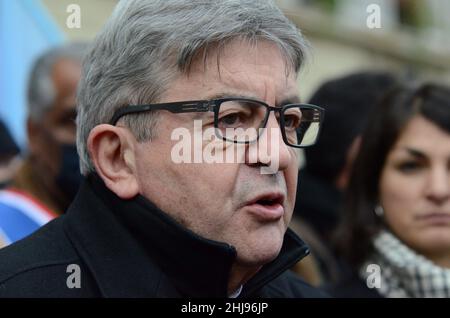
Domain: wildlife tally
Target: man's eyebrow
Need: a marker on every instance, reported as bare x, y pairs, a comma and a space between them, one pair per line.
289, 100
231, 95
202, 115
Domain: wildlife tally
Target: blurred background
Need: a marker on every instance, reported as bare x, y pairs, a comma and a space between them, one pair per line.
411, 37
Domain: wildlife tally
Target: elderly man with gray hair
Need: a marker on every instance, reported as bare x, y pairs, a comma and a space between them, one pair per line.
176, 101
49, 178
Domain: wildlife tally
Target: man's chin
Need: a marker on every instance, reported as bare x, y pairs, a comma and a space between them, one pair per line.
259, 257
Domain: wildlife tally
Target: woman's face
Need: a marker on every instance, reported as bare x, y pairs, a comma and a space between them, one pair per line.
415, 188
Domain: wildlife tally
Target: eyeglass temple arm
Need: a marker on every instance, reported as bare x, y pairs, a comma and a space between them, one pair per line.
181, 107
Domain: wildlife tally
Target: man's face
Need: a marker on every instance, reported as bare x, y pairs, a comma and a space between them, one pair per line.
57, 127
216, 200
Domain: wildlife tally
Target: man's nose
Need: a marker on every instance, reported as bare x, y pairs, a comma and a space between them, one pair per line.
270, 150
438, 185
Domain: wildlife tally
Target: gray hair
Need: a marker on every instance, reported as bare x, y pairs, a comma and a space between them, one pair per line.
147, 43
41, 91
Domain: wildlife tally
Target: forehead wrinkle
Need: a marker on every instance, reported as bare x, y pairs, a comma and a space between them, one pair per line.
265, 90
238, 76
235, 79
256, 62
247, 86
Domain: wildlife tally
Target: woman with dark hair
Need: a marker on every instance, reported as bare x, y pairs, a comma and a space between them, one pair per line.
396, 230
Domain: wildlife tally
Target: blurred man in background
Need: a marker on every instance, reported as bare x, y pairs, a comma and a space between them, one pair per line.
49, 177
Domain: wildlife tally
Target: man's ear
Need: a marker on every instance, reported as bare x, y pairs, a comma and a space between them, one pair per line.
111, 149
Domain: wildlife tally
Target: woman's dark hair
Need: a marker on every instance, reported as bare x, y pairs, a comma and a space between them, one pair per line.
386, 123
348, 98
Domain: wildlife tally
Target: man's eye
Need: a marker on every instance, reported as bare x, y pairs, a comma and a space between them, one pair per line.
232, 120
291, 122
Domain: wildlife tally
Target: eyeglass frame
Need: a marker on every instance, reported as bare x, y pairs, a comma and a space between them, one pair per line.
213, 105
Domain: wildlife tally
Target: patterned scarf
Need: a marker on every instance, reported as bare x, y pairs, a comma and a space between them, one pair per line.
403, 272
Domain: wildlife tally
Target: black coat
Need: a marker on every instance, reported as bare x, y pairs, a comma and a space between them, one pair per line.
130, 248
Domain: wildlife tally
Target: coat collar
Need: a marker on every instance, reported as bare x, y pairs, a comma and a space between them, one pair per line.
133, 249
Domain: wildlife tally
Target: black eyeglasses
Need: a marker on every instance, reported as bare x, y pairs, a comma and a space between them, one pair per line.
241, 120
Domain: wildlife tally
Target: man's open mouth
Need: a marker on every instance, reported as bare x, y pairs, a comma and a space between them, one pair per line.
267, 207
